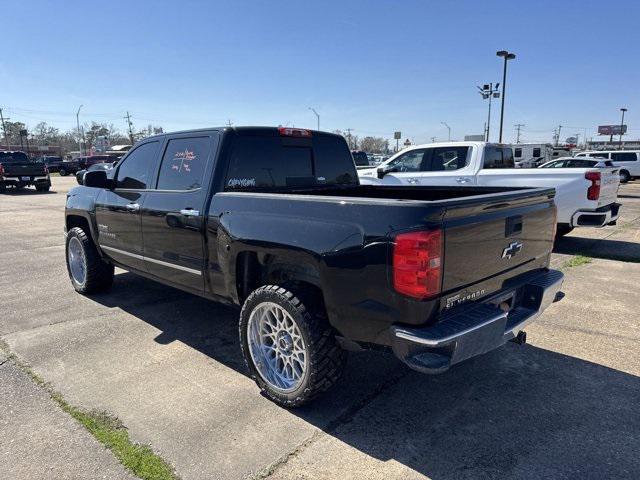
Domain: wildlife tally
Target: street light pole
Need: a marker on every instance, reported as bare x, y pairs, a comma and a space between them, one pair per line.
622, 125
448, 128
78, 126
317, 116
507, 56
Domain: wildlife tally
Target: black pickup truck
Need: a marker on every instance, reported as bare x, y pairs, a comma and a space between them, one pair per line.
17, 170
274, 220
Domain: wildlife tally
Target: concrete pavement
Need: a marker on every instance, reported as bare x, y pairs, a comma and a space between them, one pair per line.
168, 365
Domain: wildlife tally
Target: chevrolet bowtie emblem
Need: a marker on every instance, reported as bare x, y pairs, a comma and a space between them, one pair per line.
512, 250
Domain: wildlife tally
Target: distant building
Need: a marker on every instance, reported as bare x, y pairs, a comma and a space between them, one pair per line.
605, 144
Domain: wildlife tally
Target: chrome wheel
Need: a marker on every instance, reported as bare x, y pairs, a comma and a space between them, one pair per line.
77, 262
276, 346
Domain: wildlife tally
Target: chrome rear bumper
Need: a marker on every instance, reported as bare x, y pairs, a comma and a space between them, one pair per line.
477, 330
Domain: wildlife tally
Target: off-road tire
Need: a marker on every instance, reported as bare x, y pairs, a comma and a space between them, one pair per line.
326, 357
99, 274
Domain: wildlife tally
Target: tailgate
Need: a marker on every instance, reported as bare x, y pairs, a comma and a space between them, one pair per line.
493, 239
609, 184
23, 169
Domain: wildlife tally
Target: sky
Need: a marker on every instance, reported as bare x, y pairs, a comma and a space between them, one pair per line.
373, 66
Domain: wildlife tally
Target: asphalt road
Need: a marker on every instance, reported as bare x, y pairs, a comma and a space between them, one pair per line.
168, 365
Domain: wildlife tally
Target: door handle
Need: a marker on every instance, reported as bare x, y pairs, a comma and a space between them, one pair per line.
133, 207
190, 212
463, 179
413, 180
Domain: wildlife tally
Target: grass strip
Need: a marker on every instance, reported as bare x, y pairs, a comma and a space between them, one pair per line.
110, 431
577, 261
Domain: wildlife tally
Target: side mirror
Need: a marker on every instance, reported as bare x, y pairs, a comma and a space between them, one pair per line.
382, 171
98, 179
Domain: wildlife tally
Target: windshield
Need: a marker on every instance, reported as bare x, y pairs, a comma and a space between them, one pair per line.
13, 157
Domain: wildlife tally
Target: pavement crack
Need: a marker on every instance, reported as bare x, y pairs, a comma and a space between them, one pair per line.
347, 416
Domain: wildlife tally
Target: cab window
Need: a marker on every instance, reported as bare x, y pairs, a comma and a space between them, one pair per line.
183, 163
409, 162
498, 157
448, 158
133, 172
624, 157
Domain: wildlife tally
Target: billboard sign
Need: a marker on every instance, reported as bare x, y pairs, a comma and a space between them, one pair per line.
612, 129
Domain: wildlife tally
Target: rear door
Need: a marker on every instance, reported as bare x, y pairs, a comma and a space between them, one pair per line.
118, 210
173, 211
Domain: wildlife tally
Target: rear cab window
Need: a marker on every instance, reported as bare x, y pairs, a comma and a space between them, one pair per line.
496, 156
271, 161
13, 157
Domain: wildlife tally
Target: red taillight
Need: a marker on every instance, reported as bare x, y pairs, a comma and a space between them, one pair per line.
593, 192
417, 263
294, 132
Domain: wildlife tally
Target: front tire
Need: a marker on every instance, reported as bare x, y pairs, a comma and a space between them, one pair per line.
63, 172
87, 271
291, 353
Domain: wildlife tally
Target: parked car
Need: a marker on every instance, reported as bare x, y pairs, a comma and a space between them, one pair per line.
585, 197
627, 160
275, 220
96, 166
69, 167
53, 163
18, 171
571, 162
86, 162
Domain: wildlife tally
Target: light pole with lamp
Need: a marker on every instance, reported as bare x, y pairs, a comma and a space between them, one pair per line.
448, 128
317, 116
78, 126
507, 56
622, 125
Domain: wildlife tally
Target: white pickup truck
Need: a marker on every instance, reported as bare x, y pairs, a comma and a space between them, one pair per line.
584, 196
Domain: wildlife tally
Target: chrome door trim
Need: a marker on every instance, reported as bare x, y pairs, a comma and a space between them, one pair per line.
152, 260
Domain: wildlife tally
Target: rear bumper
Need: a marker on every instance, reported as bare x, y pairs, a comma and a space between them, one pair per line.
19, 181
600, 217
478, 329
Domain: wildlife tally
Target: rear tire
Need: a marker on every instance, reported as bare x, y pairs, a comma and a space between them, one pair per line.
43, 188
276, 328
87, 271
563, 230
624, 176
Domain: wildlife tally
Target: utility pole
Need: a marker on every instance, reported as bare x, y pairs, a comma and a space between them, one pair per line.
349, 136
78, 127
518, 127
433, 139
558, 135
4, 129
229, 123
128, 118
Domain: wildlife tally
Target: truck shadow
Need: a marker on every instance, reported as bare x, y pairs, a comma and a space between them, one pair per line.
520, 411
599, 248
